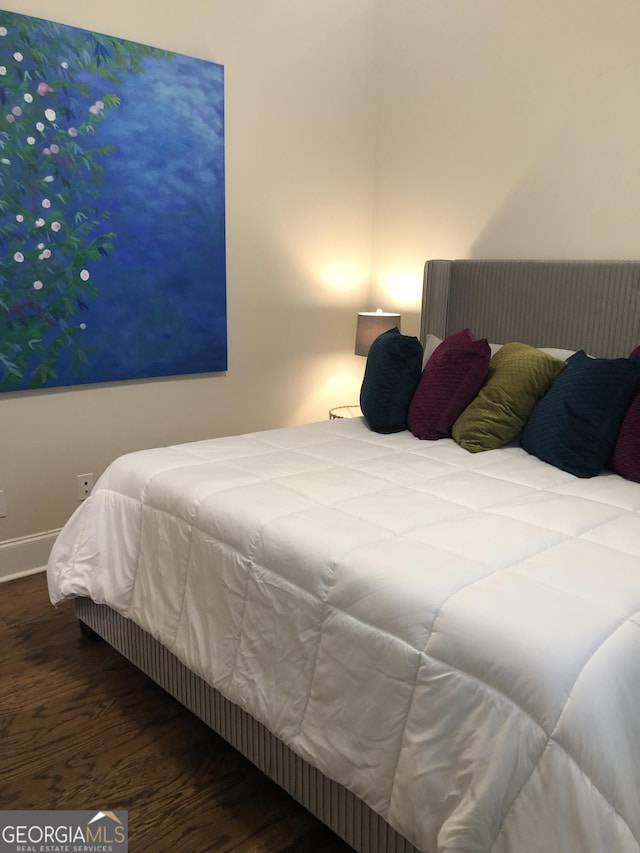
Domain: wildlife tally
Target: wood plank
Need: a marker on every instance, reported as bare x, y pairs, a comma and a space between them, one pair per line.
82, 728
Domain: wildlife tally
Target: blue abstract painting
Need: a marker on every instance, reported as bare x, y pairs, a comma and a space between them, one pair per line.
112, 210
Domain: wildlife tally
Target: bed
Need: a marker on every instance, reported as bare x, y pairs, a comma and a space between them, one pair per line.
431, 649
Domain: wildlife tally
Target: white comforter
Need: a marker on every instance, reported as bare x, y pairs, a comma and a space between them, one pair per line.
454, 637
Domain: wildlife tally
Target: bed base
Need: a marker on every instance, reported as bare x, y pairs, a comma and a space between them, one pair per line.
331, 803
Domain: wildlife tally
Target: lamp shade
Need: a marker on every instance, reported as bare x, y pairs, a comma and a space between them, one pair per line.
370, 325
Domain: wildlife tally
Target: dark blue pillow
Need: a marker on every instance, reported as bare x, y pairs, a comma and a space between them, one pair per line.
393, 370
575, 425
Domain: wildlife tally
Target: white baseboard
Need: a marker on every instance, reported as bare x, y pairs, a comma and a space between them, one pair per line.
25, 556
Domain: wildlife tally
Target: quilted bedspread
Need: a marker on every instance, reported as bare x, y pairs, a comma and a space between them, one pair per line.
454, 637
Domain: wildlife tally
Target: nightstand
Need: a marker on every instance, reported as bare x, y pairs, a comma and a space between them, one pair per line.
345, 412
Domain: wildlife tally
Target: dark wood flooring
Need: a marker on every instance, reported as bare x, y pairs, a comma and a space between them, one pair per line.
81, 728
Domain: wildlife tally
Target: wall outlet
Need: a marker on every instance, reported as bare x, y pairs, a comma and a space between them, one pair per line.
85, 484
3, 504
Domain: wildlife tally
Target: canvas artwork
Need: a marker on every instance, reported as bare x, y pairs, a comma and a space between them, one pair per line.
112, 216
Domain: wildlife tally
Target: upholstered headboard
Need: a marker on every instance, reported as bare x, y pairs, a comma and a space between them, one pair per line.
590, 305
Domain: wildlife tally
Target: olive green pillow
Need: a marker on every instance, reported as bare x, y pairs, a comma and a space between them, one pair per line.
519, 376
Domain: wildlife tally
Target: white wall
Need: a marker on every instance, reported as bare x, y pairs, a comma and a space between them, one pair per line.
299, 161
504, 128
509, 128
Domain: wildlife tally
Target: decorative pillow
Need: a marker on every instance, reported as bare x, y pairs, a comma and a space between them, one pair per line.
575, 426
393, 370
625, 459
519, 376
450, 380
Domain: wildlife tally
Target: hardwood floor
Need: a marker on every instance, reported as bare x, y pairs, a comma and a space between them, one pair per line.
81, 728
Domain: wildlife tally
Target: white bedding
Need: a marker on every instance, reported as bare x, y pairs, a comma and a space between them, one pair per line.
455, 637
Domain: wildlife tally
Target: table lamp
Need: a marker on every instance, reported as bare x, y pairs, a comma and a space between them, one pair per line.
370, 325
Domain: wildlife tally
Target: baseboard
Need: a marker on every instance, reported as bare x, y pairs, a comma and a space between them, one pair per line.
25, 556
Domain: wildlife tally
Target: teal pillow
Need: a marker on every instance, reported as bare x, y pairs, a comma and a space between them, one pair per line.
575, 426
394, 365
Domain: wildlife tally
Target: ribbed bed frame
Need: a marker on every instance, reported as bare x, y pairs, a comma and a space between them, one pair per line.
591, 305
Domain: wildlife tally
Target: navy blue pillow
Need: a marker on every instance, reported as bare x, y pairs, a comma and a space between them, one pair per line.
393, 370
575, 425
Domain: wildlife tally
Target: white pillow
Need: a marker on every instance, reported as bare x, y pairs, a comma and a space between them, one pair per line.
431, 343
562, 354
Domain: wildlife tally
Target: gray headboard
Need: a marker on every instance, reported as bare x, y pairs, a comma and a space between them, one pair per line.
590, 305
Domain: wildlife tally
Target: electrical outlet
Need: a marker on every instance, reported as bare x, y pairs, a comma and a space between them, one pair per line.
3, 504
85, 484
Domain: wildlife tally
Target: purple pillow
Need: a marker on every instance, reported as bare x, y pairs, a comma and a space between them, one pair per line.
625, 459
450, 380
